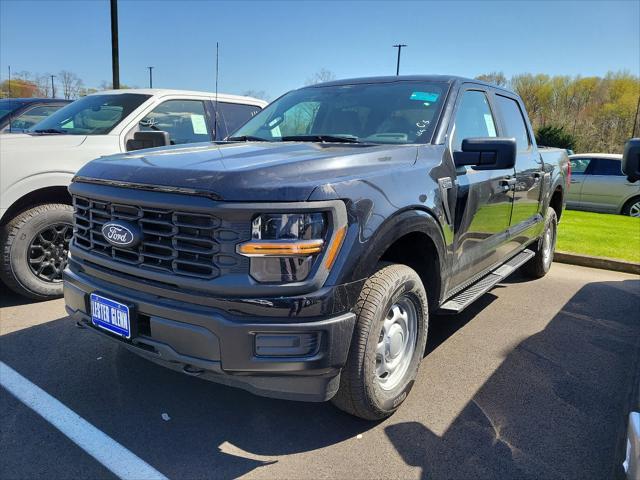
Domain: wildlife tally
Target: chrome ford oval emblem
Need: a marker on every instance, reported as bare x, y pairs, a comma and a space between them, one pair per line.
121, 234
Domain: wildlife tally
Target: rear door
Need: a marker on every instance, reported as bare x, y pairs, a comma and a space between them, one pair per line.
605, 186
527, 189
484, 200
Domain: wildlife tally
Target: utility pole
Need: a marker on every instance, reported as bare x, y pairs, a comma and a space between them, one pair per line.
53, 87
9, 81
635, 121
399, 47
115, 62
150, 77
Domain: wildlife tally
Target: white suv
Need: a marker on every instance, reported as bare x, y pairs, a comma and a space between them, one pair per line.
36, 167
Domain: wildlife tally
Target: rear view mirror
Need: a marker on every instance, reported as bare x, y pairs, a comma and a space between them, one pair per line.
631, 160
153, 139
487, 153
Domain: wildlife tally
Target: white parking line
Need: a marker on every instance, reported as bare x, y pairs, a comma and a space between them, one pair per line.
96, 443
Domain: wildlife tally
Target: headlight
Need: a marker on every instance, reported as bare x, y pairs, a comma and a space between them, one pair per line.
284, 246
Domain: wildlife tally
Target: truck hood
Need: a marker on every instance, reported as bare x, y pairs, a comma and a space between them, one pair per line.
23, 142
255, 171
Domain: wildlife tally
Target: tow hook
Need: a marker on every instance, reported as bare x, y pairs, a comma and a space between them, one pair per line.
80, 325
193, 371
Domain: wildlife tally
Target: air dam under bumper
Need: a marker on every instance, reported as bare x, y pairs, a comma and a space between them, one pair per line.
259, 355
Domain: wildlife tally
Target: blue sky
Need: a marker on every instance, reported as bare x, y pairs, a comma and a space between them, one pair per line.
276, 46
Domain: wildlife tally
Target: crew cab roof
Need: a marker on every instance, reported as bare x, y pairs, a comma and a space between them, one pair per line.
450, 79
162, 92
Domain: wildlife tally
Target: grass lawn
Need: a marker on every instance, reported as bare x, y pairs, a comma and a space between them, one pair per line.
600, 235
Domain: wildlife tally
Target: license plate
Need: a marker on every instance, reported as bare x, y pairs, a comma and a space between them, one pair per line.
110, 315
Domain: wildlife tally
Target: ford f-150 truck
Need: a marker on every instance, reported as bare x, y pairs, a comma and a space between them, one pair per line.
37, 167
301, 258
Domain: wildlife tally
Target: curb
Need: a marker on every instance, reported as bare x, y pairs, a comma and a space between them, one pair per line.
597, 262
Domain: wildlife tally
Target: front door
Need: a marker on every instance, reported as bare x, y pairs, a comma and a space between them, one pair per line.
484, 199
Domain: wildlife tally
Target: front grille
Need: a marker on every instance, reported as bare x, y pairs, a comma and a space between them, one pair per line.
182, 243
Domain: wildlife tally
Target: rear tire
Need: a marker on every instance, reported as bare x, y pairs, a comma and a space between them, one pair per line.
388, 343
540, 264
35, 245
632, 207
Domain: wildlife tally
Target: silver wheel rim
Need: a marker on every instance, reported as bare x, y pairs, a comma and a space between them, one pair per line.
547, 244
634, 211
396, 343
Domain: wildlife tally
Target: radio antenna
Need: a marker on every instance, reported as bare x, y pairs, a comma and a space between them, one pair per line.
215, 114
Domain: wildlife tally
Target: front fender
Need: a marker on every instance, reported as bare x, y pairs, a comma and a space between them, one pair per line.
362, 254
24, 186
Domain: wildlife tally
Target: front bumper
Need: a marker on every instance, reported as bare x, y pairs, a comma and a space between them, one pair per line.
217, 345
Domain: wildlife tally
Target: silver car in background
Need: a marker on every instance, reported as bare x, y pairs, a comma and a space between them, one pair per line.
598, 185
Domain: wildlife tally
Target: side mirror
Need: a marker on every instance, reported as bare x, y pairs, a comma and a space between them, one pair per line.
487, 153
152, 139
631, 160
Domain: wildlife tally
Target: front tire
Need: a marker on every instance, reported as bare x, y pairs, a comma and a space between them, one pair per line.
540, 264
35, 245
388, 343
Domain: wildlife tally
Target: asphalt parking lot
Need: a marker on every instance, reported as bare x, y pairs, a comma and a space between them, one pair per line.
531, 382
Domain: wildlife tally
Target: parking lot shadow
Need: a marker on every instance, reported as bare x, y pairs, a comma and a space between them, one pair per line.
555, 408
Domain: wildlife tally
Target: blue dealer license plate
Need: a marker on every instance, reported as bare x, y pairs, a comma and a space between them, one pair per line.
110, 315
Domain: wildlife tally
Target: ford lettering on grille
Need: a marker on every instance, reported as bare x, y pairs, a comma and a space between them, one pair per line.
121, 234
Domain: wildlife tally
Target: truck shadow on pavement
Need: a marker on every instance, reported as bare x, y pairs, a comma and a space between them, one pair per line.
555, 408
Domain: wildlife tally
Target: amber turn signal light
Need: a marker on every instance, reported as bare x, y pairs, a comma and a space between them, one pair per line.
283, 249
334, 248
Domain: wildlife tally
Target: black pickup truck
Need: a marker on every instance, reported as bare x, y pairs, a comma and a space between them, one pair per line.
301, 258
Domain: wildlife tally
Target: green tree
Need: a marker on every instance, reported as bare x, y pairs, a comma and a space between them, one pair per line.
555, 136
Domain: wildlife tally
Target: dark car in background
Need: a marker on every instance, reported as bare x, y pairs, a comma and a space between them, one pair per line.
20, 114
598, 185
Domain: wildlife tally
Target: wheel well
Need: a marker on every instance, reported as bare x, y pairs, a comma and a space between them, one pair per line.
631, 200
43, 195
556, 202
417, 250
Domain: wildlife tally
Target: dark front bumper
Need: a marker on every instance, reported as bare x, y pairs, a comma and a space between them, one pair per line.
219, 346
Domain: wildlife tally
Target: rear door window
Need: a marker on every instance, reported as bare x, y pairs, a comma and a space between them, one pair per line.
236, 114
513, 122
184, 120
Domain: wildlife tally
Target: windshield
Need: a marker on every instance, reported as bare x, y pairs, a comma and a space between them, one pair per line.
8, 106
92, 115
395, 112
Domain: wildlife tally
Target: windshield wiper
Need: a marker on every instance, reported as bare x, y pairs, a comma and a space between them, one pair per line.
50, 130
320, 138
247, 138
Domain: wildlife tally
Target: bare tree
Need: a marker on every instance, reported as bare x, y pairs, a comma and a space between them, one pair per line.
43, 82
322, 75
261, 94
497, 78
71, 84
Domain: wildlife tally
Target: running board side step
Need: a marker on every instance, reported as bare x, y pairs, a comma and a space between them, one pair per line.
466, 297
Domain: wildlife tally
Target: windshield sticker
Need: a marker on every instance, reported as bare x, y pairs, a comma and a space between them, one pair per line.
491, 128
424, 96
198, 124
